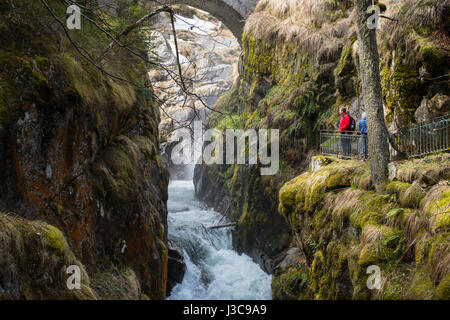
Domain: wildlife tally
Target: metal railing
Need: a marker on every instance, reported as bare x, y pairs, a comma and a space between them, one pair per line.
419, 140
350, 144
422, 139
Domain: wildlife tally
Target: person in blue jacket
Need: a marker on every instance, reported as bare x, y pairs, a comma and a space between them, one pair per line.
338, 122
363, 130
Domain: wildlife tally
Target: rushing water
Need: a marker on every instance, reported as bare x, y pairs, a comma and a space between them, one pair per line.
214, 270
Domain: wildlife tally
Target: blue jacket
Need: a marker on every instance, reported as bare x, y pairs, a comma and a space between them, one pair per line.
337, 123
363, 126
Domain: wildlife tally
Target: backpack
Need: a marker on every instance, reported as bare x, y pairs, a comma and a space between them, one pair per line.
352, 123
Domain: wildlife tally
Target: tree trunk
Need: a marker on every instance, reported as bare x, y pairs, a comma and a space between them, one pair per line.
373, 102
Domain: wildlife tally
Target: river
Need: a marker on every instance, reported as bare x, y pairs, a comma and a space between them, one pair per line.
214, 270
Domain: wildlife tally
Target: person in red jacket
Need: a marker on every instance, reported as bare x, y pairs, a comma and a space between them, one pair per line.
344, 129
344, 123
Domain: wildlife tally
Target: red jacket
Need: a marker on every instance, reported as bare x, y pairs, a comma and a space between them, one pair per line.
344, 124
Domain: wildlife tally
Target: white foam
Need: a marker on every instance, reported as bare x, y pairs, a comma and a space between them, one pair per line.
231, 276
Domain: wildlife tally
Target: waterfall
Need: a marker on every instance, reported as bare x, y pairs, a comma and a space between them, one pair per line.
214, 270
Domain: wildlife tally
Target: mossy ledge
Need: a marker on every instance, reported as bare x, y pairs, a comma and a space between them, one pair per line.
341, 228
34, 257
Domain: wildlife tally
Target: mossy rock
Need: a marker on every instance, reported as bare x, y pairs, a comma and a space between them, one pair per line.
411, 197
289, 192
443, 289
338, 180
34, 257
397, 187
421, 288
402, 90
443, 217
346, 73
317, 274
384, 244
290, 284
55, 238
434, 205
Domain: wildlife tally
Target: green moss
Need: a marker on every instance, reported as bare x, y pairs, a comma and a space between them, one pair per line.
229, 122
343, 65
421, 287
401, 90
397, 187
320, 220
258, 55
244, 212
338, 180
229, 173
316, 192
434, 58
146, 146
361, 218
19, 72
290, 284
422, 250
393, 291
121, 158
412, 196
443, 289
288, 193
43, 248
443, 217
54, 237
395, 280
408, 195
387, 245
346, 73
371, 209
316, 272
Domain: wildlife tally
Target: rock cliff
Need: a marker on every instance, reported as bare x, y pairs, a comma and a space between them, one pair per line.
83, 181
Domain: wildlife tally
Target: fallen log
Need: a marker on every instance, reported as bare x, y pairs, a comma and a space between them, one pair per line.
223, 226
206, 235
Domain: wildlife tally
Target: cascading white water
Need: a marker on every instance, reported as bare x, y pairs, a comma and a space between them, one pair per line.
214, 270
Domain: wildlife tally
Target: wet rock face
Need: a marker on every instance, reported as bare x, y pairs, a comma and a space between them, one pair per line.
83, 156
176, 267
209, 187
106, 191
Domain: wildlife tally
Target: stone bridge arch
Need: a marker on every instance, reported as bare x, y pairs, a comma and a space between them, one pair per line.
232, 13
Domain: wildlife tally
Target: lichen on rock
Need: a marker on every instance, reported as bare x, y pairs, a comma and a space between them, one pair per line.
350, 229
81, 156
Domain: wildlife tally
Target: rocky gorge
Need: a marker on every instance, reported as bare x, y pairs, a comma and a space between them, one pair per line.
299, 65
85, 152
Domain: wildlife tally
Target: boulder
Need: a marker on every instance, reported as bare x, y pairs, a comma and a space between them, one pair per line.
432, 108
176, 267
